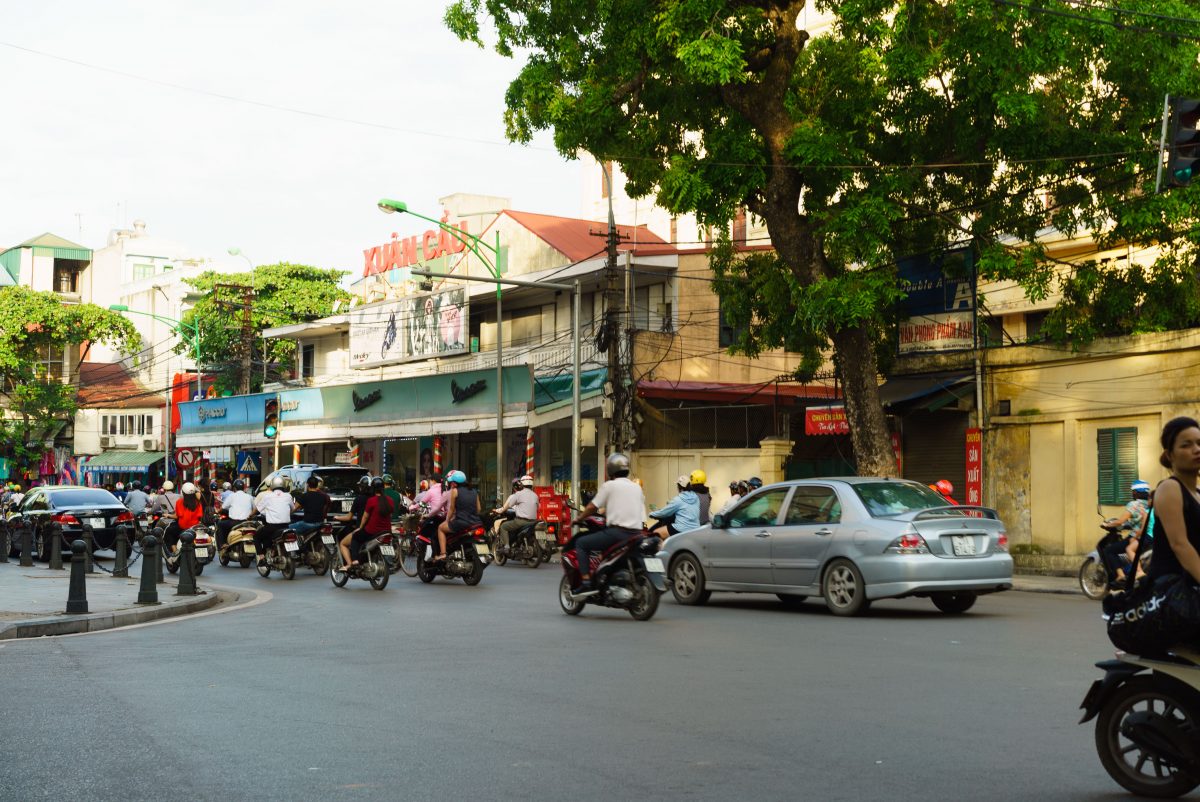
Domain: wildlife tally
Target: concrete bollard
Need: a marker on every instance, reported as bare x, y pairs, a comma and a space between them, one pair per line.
121, 568
157, 562
56, 563
147, 590
89, 541
26, 546
187, 562
77, 593
5, 541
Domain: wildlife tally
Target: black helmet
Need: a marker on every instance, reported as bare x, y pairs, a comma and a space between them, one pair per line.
135, 484
364, 481
238, 484
755, 483
377, 484
214, 486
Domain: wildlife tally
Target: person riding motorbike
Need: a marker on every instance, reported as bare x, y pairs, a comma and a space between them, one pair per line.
226, 492
188, 513
276, 508
685, 508
376, 520
462, 511
737, 491
362, 492
239, 506
164, 503
523, 502
754, 483
624, 506
945, 489
436, 498
1130, 523
703, 495
315, 503
399, 503
136, 499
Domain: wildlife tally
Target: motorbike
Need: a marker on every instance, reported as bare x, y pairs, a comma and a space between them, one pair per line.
405, 533
524, 544
372, 565
467, 554
280, 555
1095, 578
316, 549
1147, 714
203, 552
239, 545
626, 576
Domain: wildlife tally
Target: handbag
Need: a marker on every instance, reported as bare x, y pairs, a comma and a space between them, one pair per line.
1150, 618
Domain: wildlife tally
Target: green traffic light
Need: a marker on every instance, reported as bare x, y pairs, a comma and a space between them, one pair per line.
1184, 175
270, 431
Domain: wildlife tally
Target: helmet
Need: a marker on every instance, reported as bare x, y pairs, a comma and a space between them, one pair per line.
387, 479
516, 484
683, 482
364, 482
1140, 486
944, 487
120, 486
616, 465
188, 489
136, 485
754, 482
238, 484
168, 486
423, 486
743, 488
225, 486
377, 484
699, 477
214, 486
277, 483
526, 481
456, 478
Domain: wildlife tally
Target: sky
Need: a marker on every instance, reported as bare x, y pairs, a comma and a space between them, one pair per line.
86, 148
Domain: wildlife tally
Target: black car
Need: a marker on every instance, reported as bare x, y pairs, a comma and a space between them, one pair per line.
72, 507
338, 481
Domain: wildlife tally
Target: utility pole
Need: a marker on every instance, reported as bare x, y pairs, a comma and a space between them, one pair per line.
609, 340
245, 346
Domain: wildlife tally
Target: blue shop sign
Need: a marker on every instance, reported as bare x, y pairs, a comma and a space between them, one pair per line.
235, 412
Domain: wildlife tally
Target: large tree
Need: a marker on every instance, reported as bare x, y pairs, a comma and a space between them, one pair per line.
36, 330
899, 129
281, 294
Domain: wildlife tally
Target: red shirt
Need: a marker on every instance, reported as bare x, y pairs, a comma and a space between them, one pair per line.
188, 518
379, 515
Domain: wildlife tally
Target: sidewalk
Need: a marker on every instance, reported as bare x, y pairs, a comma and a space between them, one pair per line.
1036, 583
33, 600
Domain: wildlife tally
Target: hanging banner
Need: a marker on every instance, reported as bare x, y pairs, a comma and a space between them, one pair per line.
826, 420
974, 467
417, 327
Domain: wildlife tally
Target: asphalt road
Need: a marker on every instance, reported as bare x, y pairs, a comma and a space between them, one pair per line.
444, 691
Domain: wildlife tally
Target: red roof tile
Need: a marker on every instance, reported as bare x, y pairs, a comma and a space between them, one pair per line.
574, 237
109, 384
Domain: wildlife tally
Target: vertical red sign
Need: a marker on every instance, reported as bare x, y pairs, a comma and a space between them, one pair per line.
899, 453
974, 467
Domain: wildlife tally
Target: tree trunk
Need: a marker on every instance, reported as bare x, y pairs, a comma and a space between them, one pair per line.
854, 353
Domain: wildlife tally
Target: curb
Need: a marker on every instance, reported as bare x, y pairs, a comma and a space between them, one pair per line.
95, 622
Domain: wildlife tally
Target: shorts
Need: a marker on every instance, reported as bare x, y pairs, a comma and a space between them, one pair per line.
458, 525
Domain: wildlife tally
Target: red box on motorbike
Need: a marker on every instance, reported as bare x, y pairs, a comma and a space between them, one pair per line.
552, 508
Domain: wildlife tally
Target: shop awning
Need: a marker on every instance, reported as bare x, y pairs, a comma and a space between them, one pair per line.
551, 390
122, 462
903, 389
778, 392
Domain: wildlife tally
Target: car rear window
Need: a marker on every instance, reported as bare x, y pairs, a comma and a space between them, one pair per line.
82, 498
340, 481
887, 499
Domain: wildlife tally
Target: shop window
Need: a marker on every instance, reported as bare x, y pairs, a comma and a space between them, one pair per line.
142, 271
1117, 466
308, 361
727, 334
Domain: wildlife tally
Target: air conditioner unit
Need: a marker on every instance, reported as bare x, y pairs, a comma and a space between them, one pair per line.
107, 442
150, 444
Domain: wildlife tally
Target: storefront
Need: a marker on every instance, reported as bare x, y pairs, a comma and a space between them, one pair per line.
123, 466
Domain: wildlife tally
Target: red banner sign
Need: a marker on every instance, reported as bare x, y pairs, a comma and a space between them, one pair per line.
826, 420
974, 467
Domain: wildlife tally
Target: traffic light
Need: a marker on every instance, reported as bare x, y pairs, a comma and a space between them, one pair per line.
1183, 144
271, 417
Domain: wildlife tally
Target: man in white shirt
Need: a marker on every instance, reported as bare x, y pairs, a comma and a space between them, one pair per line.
238, 506
524, 503
276, 508
624, 506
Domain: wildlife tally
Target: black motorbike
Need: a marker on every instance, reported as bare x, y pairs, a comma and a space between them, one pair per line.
1147, 714
374, 560
467, 554
280, 555
1096, 578
523, 544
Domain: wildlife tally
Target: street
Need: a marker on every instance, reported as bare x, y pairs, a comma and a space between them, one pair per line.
425, 692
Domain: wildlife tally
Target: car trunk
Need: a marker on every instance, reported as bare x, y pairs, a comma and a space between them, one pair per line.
956, 534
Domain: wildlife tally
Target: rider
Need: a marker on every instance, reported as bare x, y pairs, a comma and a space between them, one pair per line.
944, 489
399, 503
136, 499
239, 505
276, 508
624, 506
188, 513
376, 520
164, 503
523, 502
737, 491
685, 508
463, 510
119, 492
362, 492
436, 498
703, 495
315, 503
1131, 522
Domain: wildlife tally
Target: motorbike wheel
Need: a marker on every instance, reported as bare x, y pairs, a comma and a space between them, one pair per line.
569, 604
476, 575
1093, 580
264, 568
289, 568
244, 560
1133, 769
172, 567
339, 575
500, 557
646, 604
223, 558
199, 569
407, 559
322, 563
535, 558
380, 580
424, 570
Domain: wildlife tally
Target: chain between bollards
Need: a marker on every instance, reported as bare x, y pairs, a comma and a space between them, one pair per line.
56, 561
77, 592
121, 568
147, 590
187, 564
26, 546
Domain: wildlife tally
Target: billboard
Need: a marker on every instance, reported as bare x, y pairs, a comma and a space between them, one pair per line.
419, 326
939, 312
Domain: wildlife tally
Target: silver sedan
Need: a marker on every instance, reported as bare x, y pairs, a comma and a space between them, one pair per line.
850, 540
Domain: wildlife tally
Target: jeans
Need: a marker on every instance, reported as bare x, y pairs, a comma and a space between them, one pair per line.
598, 541
304, 527
265, 536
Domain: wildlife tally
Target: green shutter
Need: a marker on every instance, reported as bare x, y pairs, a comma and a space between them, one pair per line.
1117, 465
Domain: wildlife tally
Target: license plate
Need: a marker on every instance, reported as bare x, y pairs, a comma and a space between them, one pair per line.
201, 552
653, 564
248, 548
291, 546
482, 548
388, 551
964, 545
95, 523
347, 505
327, 540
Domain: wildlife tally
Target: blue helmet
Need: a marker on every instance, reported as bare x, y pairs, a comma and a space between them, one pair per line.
456, 478
1140, 487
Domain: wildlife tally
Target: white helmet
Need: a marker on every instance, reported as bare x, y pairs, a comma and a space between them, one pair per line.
188, 489
225, 486
120, 486
526, 481
277, 483
168, 486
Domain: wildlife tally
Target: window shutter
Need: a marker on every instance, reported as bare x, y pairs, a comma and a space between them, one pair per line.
1117, 464
1107, 465
1127, 464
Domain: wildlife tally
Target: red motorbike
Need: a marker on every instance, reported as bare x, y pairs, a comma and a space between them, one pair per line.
467, 554
627, 576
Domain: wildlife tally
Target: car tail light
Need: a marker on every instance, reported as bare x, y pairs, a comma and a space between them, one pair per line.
1002, 541
125, 517
908, 543
65, 518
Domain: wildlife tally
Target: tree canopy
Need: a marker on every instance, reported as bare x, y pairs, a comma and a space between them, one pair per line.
897, 129
284, 293
37, 329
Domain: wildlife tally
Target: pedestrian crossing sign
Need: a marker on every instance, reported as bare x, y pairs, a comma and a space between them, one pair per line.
248, 463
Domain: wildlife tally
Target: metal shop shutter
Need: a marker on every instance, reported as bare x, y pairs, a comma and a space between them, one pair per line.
935, 447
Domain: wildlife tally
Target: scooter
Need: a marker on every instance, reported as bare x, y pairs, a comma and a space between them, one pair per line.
1147, 715
467, 554
204, 550
626, 576
280, 555
239, 545
523, 545
372, 565
315, 551
1095, 578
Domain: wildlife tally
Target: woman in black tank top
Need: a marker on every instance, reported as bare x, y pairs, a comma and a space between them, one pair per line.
1177, 503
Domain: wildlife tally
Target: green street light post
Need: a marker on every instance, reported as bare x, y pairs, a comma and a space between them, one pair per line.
496, 267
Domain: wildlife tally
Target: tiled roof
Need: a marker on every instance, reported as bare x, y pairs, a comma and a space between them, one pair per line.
575, 239
109, 385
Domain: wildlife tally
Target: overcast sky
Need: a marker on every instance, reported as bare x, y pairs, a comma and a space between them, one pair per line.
212, 172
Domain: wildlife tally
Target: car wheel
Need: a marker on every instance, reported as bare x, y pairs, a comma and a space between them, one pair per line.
844, 590
791, 601
687, 581
954, 603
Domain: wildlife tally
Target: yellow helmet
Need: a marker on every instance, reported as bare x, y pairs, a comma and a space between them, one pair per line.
699, 477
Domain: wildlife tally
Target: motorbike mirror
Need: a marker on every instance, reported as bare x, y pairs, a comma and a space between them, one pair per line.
718, 521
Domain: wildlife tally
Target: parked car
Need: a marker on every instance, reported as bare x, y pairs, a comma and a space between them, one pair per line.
850, 540
338, 481
72, 506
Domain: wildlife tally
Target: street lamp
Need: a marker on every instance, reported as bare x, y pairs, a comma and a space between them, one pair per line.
495, 266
